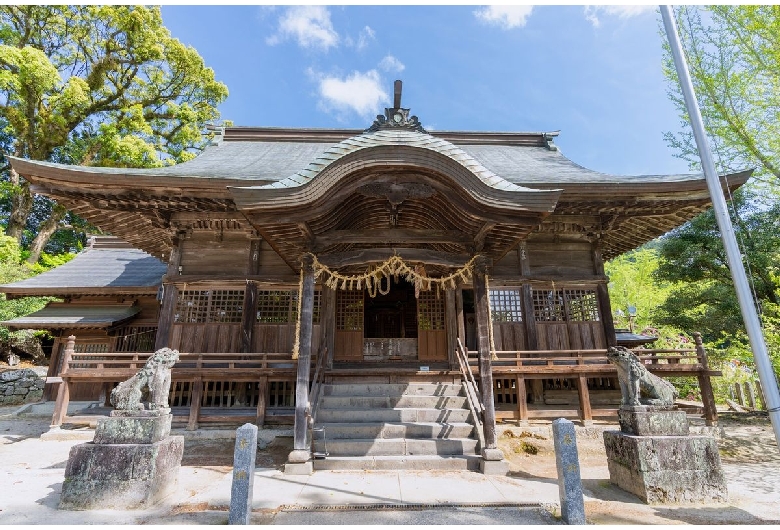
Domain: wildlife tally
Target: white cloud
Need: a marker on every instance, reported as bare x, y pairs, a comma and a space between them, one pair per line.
309, 25
592, 13
391, 64
359, 92
366, 34
506, 17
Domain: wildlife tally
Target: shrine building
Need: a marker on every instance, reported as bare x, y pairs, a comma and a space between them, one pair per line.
420, 285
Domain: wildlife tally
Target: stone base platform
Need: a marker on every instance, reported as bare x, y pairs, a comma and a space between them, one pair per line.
130, 465
655, 459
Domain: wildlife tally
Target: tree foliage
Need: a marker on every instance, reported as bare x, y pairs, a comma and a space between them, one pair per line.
693, 257
733, 54
94, 85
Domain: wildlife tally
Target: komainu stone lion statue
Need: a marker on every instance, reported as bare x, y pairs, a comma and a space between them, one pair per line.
153, 382
637, 385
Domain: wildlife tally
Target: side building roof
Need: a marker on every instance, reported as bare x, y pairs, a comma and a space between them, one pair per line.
109, 266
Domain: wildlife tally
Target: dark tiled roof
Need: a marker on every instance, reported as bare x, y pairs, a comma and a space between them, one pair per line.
56, 316
266, 160
117, 269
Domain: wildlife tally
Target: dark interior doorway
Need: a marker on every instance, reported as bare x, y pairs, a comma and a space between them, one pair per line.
392, 315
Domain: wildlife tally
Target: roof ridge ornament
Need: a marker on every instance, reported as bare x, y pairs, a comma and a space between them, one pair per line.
396, 117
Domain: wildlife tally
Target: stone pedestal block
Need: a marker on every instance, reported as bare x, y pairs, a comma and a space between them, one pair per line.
666, 469
124, 430
132, 463
646, 420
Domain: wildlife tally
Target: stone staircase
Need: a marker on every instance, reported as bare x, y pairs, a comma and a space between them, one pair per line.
422, 426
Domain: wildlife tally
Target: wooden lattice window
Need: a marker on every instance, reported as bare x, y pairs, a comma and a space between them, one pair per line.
505, 305
349, 311
548, 305
281, 307
570, 305
210, 306
581, 305
430, 311
136, 338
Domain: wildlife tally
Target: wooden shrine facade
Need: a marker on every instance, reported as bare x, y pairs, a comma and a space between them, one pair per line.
269, 238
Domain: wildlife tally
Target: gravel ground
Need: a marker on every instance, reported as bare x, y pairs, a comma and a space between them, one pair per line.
750, 458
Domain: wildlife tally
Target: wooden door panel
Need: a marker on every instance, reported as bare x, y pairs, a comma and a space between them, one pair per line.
432, 345
349, 346
553, 335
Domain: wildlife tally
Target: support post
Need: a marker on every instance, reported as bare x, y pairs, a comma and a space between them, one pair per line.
195, 398
705, 384
492, 458
170, 296
526, 299
328, 322
522, 405
586, 415
450, 326
63, 392
602, 292
299, 461
262, 390
459, 317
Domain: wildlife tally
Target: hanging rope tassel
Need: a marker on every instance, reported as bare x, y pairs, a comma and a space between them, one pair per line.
297, 345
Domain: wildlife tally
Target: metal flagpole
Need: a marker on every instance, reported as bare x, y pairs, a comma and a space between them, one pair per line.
733, 255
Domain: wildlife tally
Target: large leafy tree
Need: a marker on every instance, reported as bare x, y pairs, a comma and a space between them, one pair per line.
733, 54
693, 257
94, 85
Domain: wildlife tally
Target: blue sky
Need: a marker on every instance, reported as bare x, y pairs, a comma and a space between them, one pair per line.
594, 73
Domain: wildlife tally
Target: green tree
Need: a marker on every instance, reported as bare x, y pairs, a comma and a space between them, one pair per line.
733, 54
694, 259
94, 85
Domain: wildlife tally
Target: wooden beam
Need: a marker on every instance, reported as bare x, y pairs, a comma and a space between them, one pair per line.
170, 296
392, 235
305, 229
358, 257
479, 239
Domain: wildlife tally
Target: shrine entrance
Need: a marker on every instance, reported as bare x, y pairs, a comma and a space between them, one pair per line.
391, 326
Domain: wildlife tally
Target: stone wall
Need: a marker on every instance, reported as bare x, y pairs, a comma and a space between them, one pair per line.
20, 386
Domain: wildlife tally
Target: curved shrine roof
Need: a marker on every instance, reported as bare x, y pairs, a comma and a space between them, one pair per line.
278, 157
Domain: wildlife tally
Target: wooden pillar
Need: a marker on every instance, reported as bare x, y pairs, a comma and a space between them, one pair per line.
328, 323
170, 295
262, 390
529, 318
602, 292
522, 406
195, 398
301, 450
481, 305
586, 415
459, 316
705, 385
63, 392
249, 314
451, 326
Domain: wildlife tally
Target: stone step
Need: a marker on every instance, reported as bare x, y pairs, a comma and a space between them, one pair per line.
403, 463
406, 389
396, 447
393, 415
427, 430
390, 402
